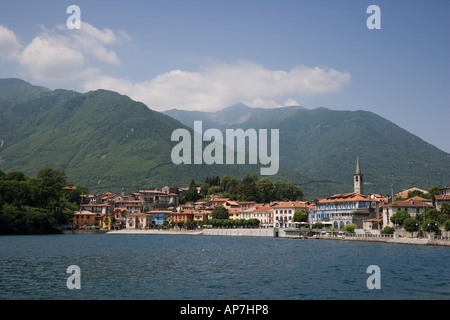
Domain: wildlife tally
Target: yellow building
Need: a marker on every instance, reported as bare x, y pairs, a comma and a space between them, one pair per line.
103, 221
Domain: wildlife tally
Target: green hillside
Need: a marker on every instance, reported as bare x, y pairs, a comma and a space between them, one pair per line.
325, 143
106, 141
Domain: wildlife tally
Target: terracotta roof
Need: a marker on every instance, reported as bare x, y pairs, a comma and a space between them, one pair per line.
84, 212
347, 197
442, 197
408, 203
139, 214
291, 204
149, 191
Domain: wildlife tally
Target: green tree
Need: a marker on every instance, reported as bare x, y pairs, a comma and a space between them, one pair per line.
399, 217
433, 191
445, 208
246, 189
300, 216
220, 212
430, 225
229, 184
387, 230
410, 225
287, 191
417, 193
265, 190
447, 225
350, 227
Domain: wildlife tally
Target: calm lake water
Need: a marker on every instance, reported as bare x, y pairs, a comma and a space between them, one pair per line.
175, 267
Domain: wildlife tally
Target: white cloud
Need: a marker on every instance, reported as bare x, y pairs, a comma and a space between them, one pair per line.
60, 54
47, 59
9, 46
220, 85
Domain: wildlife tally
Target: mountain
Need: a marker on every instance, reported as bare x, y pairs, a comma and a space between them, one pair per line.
106, 141
325, 143
231, 117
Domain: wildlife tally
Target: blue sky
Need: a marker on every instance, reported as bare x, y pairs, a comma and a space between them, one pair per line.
207, 55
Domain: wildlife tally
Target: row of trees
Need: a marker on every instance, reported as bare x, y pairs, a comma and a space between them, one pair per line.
430, 221
36, 205
250, 188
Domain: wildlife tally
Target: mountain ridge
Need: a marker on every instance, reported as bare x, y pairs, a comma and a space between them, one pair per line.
325, 142
105, 141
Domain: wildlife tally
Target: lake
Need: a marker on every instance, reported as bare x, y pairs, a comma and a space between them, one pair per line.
199, 267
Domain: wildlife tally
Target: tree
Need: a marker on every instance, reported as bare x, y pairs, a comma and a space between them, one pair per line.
246, 189
300, 216
399, 217
447, 225
445, 208
417, 193
265, 190
192, 194
430, 225
410, 225
220, 212
387, 230
434, 191
350, 227
229, 184
287, 191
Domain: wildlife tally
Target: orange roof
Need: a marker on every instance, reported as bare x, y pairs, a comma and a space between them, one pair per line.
84, 212
408, 203
149, 191
290, 204
347, 197
263, 208
138, 214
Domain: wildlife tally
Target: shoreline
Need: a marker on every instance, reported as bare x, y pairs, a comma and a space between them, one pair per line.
268, 233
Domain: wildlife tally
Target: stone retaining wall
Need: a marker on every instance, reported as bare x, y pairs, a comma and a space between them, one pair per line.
251, 232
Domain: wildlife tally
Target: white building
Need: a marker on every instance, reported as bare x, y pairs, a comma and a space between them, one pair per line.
283, 212
412, 206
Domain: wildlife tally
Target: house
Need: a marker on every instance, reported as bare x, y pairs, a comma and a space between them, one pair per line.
138, 220
262, 212
369, 223
413, 207
103, 221
341, 209
404, 193
442, 197
170, 189
234, 213
183, 215
97, 207
83, 219
283, 212
216, 201
158, 216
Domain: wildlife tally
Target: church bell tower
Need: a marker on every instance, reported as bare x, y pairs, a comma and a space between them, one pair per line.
358, 182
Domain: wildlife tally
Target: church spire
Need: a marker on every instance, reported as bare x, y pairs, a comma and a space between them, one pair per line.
358, 169
358, 183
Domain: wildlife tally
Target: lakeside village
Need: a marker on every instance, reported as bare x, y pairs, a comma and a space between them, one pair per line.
350, 213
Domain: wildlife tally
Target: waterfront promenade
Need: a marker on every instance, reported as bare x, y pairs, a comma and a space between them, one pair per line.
269, 232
